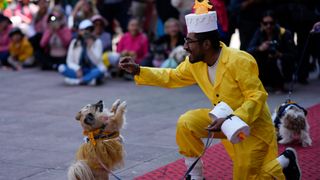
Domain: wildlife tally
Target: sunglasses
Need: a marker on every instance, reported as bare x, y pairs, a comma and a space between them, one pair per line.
265, 23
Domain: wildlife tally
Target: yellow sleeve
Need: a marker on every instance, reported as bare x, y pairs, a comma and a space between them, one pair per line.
166, 77
255, 96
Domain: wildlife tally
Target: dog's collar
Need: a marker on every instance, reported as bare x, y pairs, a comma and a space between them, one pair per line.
92, 136
286, 106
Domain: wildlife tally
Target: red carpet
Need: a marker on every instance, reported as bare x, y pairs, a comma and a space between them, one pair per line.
217, 164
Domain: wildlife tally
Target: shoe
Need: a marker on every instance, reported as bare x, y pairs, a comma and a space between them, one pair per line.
72, 81
93, 82
128, 77
189, 178
292, 172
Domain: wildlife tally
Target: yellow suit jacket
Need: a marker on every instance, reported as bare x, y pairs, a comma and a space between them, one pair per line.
236, 83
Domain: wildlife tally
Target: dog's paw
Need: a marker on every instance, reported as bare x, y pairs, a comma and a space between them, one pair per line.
115, 105
306, 143
283, 141
123, 106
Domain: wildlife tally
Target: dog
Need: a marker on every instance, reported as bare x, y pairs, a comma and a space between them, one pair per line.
291, 124
103, 150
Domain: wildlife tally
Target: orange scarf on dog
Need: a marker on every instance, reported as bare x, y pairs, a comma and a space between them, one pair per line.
97, 134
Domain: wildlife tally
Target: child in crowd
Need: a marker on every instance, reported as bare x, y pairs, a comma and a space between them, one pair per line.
84, 60
21, 51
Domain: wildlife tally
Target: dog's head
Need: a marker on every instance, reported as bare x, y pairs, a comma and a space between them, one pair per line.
294, 119
96, 116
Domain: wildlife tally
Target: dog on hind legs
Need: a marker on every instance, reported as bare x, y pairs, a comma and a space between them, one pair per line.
291, 124
103, 150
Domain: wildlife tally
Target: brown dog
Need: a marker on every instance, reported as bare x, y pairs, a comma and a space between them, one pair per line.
103, 151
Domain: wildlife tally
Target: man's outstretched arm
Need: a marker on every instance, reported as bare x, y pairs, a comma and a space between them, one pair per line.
163, 77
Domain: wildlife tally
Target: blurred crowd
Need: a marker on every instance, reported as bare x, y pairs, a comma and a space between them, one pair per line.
84, 39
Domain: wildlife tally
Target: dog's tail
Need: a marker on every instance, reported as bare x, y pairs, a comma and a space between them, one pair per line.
80, 170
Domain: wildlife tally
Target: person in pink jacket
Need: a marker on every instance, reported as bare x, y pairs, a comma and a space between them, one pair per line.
55, 41
134, 43
5, 27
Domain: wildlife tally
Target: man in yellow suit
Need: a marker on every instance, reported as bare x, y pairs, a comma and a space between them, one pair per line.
228, 75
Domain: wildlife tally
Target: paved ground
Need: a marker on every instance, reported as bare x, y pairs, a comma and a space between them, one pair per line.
39, 136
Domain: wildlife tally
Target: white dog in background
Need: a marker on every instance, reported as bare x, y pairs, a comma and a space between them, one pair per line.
291, 123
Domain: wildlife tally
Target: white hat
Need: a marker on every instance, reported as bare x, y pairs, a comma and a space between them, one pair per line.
198, 23
85, 24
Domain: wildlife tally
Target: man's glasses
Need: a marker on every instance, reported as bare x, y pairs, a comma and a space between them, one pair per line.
265, 23
189, 41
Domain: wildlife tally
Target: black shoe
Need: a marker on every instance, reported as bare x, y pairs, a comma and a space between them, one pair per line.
128, 77
292, 172
189, 177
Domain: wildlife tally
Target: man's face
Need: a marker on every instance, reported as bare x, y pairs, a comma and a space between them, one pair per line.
193, 46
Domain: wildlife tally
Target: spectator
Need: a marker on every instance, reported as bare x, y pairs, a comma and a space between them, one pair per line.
55, 41
133, 43
144, 11
223, 20
5, 27
21, 52
41, 17
40, 25
21, 15
299, 17
163, 46
315, 44
184, 7
173, 35
99, 24
84, 61
270, 44
166, 10
115, 10
84, 9
248, 13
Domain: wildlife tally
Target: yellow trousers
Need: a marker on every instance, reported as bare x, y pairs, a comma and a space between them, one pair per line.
252, 158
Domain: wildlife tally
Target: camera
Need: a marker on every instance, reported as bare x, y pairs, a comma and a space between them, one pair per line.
53, 18
273, 46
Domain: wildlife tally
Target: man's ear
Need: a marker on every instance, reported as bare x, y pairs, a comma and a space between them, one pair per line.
206, 44
78, 116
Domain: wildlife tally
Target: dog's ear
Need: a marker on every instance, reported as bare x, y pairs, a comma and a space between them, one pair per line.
78, 116
99, 106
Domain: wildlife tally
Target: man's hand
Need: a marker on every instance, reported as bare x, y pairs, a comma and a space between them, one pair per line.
216, 125
128, 64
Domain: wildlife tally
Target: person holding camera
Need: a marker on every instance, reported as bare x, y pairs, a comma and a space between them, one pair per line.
84, 60
274, 49
55, 41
